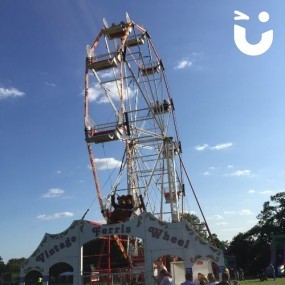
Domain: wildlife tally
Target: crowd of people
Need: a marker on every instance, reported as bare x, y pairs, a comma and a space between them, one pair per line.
210, 279
163, 277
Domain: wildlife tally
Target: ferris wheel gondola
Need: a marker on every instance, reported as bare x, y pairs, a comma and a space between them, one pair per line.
133, 117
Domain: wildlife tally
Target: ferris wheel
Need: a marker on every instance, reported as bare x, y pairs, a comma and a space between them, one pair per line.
130, 127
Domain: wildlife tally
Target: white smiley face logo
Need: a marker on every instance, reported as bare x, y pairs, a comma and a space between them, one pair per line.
240, 36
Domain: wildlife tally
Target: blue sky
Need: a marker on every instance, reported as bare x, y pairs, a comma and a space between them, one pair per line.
229, 108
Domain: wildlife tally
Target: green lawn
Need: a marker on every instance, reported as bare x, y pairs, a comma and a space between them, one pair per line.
278, 281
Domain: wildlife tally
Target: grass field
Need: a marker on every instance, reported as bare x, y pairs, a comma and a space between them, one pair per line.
278, 281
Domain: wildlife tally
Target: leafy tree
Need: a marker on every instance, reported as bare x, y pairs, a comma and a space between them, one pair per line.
2, 266
272, 217
252, 248
219, 243
201, 229
241, 246
196, 223
14, 264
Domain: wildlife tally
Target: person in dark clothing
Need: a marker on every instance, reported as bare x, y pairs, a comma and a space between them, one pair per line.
129, 205
225, 279
188, 279
120, 204
262, 275
122, 210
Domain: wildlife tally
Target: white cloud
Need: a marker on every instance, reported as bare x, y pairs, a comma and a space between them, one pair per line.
97, 94
108, 74
222, 224
55, 216
201, 147
245, 212
244, 172
106, 163
215, 147
266, 192
50, 84
10, 93
222, 146
213, 168
216, 217
184, 63
53, 193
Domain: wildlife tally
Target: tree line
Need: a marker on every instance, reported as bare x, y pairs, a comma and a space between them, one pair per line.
251, 250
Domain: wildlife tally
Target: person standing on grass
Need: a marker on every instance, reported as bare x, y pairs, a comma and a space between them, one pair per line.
225, 279
272, 271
